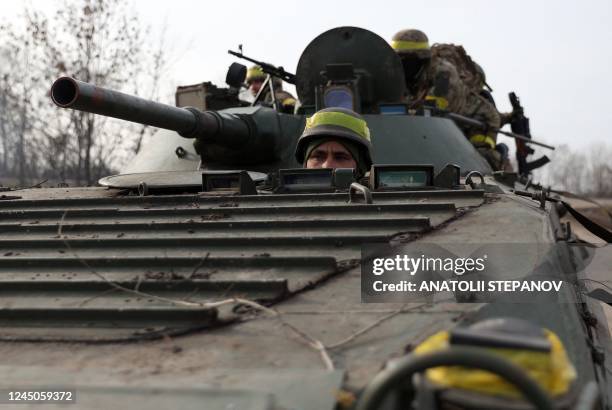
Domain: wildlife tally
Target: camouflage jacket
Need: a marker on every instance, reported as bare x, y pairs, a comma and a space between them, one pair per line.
441, 84
285, 101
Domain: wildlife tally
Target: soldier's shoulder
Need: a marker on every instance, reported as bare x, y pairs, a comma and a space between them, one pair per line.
442, 64
282, 94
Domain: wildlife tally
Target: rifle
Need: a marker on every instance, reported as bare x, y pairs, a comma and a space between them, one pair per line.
267, 68
480, 124
520, 125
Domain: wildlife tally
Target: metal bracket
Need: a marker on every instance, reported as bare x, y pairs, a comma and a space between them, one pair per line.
357, 187
470, 175
564, 232
448, 177
568, 230
541, 196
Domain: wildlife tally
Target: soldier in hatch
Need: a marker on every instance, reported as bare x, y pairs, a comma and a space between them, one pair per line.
255, 79
433, 80
335, 138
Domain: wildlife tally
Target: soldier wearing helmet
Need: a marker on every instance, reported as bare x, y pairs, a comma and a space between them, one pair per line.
485, 91
413, 48
432, 79
335, 138
255, 79
501, 160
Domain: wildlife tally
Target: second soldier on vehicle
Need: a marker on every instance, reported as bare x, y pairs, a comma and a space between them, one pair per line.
284, 100
434, 80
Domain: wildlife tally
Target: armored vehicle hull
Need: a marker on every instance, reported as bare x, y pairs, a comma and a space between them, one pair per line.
65, 323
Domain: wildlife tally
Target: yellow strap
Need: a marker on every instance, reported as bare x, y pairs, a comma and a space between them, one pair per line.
480, 139
441, 102
288, 101
399, 45
339, 119
552, 370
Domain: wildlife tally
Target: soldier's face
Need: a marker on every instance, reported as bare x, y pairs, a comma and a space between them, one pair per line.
255, 87
331, 154
412, 67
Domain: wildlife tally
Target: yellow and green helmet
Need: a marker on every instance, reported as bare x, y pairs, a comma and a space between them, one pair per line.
255, 73
411, 42
341, 124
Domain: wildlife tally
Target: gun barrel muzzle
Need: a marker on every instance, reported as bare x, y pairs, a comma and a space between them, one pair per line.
67, 92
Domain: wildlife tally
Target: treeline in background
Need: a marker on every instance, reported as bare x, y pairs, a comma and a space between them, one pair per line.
586, 172
97, 41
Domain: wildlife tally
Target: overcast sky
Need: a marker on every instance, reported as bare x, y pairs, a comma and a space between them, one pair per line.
557, 55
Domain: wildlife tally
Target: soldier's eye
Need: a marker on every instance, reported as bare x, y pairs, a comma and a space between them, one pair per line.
318, 156
342, 157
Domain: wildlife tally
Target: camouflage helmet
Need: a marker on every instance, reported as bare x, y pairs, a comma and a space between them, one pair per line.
480, 72
411, 42
341, 124
255, 73
483, 77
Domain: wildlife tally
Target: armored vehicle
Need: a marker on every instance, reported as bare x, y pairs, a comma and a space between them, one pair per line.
228, 277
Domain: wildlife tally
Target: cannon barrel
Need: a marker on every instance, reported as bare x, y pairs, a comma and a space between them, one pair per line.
225, 129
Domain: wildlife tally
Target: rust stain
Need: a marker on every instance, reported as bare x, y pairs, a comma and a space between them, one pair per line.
98, 96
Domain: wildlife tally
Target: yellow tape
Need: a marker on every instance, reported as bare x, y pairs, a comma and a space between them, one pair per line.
441, 102
288, 101
551, 370
255, 72
339, 119
399, 45
480, 139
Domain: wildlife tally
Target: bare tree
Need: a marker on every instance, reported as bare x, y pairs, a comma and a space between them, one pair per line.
97, 41
5, 131
19, 79
567, 169
599, 168
587, 173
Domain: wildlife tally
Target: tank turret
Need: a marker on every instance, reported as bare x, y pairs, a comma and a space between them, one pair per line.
332, 71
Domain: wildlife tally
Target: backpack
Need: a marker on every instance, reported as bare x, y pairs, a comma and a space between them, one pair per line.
465, 66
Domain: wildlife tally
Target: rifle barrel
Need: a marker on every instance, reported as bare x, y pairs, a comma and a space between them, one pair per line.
268, 68
239, 55
523, 138
476, 123
465, 120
